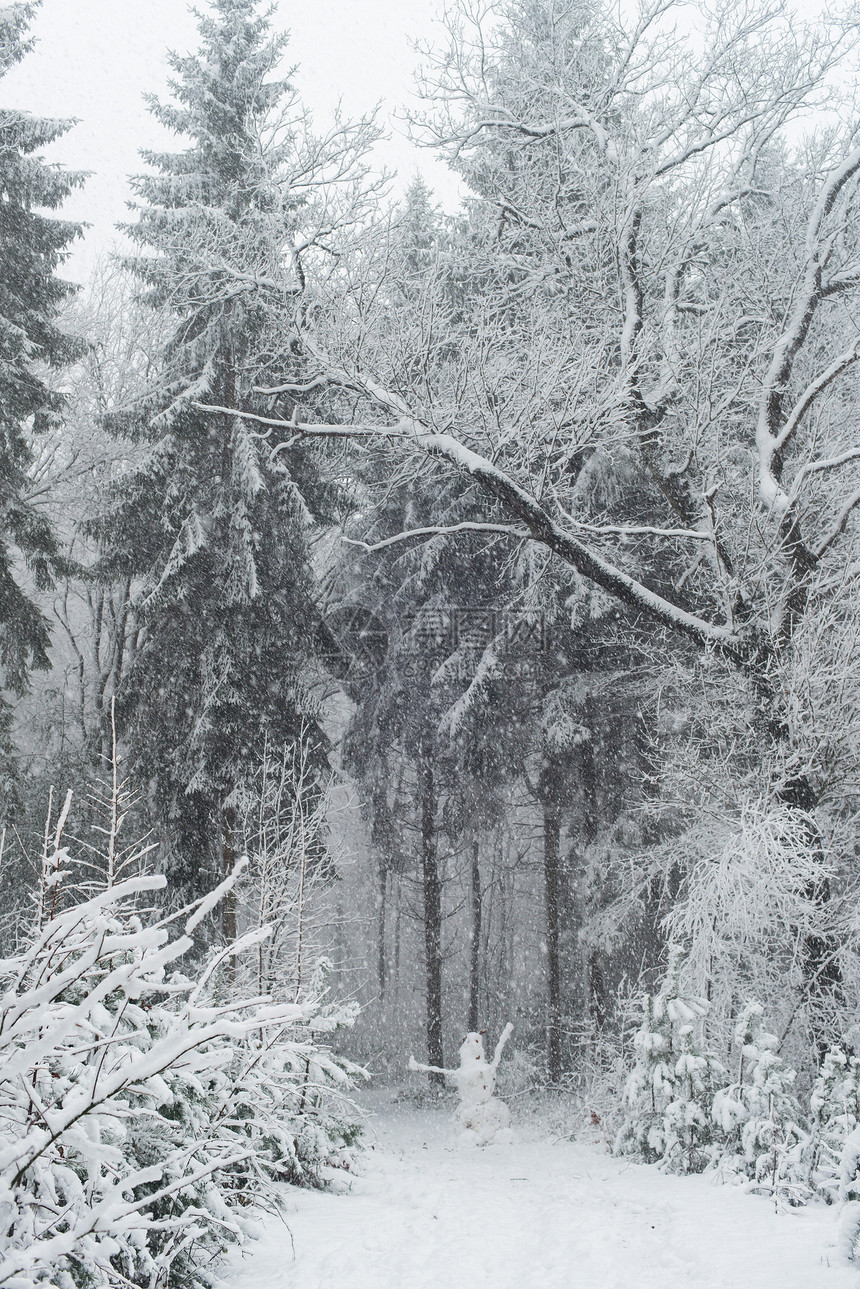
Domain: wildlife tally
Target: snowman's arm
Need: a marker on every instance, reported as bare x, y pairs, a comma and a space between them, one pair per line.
428, 1069
497, 1055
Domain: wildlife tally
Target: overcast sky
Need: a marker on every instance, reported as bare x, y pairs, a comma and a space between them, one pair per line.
95, 58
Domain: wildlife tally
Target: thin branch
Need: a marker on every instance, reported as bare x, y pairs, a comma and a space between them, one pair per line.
319, 430
812, 391
839, 526
437, 531
827, 463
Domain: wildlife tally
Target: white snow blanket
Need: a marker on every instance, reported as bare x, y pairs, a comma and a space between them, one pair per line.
536, 1214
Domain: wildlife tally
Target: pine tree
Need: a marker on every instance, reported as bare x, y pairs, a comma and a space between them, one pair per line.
649, 1086
216, 523
32, 247
834, 1107
671, 1087
849, 1195
760, 1115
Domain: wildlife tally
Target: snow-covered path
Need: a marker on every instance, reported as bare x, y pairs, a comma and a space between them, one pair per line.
539, 1214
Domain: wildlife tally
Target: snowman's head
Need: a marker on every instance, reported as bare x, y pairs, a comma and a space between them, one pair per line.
472, 1049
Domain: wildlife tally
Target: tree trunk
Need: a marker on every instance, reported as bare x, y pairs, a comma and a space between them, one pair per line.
432, 913
475, 946
380, 840
381, 895
398, 909
597, 1003
228, 906
552, 888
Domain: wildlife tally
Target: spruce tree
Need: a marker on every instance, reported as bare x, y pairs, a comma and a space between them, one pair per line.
760, 1115
671, 1086
215, 525
32, 248
834, 1107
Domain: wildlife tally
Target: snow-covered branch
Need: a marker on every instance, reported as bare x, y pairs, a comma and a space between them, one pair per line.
311, 429
541, 526
811, 393
110, 1058
438, 530
838, 526
772, 432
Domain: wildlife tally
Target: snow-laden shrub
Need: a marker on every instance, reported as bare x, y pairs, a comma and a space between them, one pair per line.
765, 1144
669, 1092
849, 1194
834, 1113
285, 1100
144, 1119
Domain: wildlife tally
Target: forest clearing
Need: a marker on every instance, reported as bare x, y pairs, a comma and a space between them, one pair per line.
540, 1213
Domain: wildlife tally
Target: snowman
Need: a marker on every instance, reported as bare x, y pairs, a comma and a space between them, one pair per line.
483, 1117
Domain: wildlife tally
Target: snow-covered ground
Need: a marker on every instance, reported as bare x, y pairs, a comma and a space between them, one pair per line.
538, 1214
